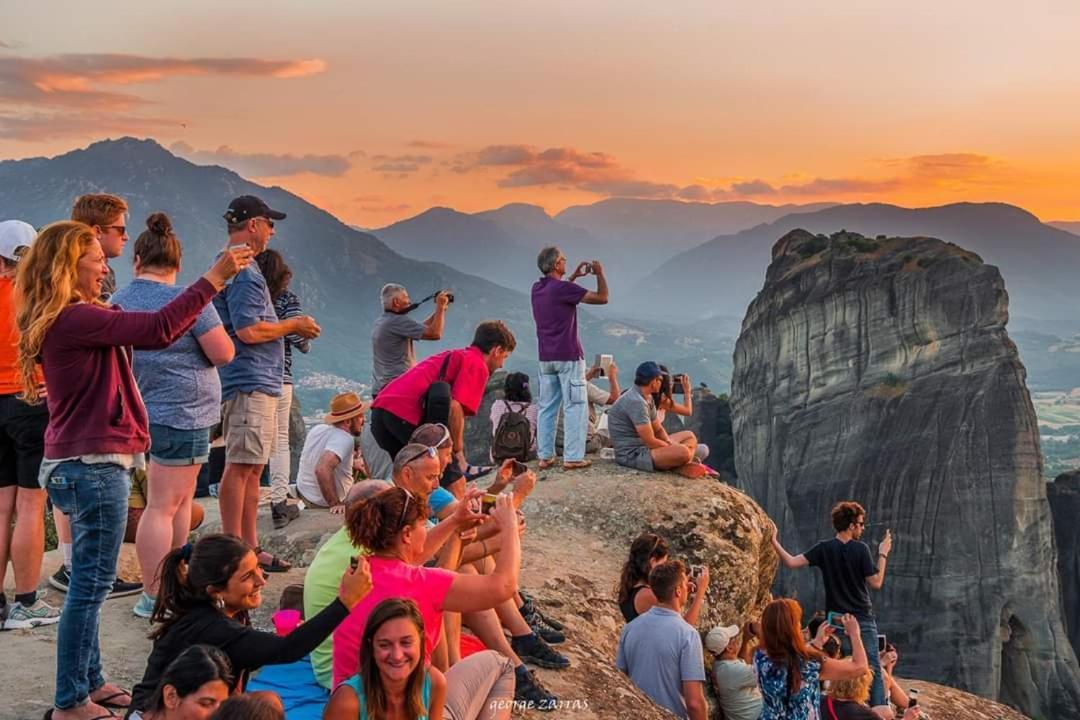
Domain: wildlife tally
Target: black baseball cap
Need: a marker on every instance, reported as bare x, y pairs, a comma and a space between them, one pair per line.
246, 207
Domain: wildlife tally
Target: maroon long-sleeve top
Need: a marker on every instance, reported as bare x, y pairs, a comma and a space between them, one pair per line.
94, 404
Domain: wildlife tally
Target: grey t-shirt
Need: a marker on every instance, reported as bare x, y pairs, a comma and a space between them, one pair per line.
392, 338
630, 410
660, 651
179, 385
737, 690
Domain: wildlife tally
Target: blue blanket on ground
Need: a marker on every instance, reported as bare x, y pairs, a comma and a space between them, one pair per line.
304, 699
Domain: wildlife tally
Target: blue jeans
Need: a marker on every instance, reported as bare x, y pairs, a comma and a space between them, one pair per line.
562, 383
95, 499
868, 632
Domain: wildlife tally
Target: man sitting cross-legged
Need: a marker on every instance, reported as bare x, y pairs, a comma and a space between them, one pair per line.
639, 438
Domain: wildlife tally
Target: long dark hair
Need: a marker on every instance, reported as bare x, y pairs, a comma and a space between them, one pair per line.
188, 571
376, 522
374, 692
516, 388
275, 270
782, 640
192, 669
636, 570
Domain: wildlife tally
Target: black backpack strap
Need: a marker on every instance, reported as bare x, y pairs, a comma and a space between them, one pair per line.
445, 365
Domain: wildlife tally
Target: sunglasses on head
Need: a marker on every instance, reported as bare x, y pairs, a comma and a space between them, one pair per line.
404, 508
429, 451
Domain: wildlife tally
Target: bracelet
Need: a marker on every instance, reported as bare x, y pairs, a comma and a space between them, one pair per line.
883, 555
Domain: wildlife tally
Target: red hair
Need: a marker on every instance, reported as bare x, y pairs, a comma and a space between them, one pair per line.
781, 636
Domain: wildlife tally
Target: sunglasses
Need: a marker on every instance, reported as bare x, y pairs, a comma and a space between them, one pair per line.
404, 508
268, 221
120, 229
431, 452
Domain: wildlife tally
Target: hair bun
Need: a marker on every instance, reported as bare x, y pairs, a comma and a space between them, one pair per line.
159, 224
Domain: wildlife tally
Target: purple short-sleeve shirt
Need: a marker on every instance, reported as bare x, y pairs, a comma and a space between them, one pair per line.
554, 305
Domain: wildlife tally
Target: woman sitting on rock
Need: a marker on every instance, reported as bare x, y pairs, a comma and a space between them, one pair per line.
790, 671
192, 687
396, 681
207, 591
665, 403
635, 597
393, 526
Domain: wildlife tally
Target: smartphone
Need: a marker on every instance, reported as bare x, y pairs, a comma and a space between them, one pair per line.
603, 362
487, 504
881, 644
354, 562
518, 468
833, 619
696, 571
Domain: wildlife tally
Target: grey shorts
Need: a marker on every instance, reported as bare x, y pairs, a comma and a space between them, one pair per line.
639, 458
249, 421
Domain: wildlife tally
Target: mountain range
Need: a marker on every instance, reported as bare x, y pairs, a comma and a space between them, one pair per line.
337, 270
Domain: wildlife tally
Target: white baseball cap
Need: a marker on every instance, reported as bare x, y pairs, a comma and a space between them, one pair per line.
718, 638
15, 234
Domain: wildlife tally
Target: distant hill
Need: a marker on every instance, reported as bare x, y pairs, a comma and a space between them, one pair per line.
1039, 262
1070, 226
630, 236
338, 270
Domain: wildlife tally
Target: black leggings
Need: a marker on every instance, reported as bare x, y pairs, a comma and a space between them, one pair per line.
390, 432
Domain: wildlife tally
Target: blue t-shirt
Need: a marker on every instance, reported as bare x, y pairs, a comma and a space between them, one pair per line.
355, 684
259, 367
660, 651
179, 385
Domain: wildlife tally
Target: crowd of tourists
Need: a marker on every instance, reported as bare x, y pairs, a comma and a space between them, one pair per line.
415, 607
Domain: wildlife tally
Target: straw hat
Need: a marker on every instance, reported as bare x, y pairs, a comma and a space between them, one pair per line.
344, 406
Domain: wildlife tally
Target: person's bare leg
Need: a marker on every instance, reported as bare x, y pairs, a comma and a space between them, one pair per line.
671, 457
485, 625
28, 539
63, 533
685, 438
7, 514
452, 631
511, 618
231, 496
182, 520
167, 486
439, 656
250, 516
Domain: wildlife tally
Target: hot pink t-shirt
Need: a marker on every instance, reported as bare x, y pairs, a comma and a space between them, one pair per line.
466, 372
392, 578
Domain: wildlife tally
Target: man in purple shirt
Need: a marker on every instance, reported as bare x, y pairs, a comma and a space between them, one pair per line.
562, 360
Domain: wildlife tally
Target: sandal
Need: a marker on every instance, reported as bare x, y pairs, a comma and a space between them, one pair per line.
546, 464
276, 564
49, 716
107, 702
472, 472
577, 464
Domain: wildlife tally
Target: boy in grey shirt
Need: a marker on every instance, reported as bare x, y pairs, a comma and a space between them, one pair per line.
661, 652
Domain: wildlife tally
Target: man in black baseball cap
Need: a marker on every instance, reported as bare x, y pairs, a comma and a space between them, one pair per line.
246, 207
252, 383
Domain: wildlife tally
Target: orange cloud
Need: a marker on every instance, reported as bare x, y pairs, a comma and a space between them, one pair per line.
34, 127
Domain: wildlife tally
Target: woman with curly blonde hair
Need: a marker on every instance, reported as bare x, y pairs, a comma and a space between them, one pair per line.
847, 700
98, 428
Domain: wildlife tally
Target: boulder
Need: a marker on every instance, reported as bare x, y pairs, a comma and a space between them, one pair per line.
881, 371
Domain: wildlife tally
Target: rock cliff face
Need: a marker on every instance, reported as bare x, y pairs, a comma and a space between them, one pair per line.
881, 371
1064, 496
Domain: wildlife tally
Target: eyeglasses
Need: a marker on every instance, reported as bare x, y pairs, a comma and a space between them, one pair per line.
120, 229
268, 221
431, 452
404, 508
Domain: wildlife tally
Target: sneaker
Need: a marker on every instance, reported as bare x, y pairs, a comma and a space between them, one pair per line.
22, 617
283, 513
530, 606
60, 579
529, 692
541, 628
144, 608
533, 650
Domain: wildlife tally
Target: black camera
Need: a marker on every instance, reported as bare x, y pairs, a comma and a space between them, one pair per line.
677, 385
449, 295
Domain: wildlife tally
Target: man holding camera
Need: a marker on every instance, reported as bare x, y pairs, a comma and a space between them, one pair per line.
393, 333
562, 359
638, 436
848, 573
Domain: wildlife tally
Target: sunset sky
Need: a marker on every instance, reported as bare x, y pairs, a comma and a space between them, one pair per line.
377, 111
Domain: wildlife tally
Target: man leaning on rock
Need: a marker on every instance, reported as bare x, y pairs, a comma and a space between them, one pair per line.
848, 572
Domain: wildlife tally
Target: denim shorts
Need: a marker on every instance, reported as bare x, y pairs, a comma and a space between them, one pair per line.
173, 446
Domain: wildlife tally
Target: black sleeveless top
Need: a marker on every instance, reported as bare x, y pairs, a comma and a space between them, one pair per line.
626, 607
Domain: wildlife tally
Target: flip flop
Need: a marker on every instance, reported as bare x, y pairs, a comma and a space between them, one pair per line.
106, 702
546, 464
577, 465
